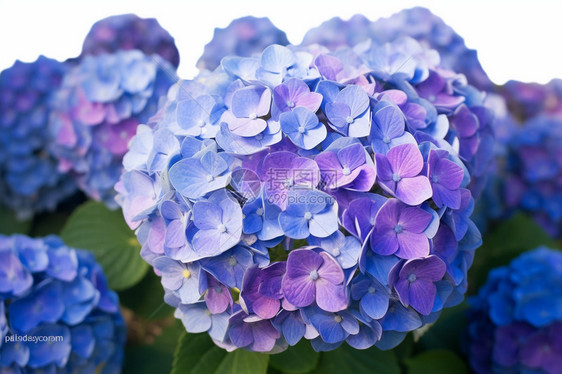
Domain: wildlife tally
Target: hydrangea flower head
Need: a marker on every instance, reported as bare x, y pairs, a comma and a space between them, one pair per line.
242, 37
418, 23
516, 319
128, 31
51, 290
29, 180
101, 102
306, 208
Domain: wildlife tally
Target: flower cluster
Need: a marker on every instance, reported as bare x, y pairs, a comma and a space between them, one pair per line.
418, 23
128, 31
527, 100
242, 37
29, 180
98, 108
302, 193
515, 321
56, 311
533, 172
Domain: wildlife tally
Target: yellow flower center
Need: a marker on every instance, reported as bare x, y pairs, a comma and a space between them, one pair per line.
186, 274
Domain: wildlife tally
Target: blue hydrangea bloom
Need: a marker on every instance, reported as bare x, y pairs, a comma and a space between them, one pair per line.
515, 321
76, 308
242, 37
312, 194
128, 31
29, 180
101, 102
418, 23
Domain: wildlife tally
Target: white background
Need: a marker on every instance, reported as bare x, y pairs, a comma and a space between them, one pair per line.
515, 39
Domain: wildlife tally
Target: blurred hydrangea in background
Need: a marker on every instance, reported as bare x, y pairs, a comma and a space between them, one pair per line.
29, 180
316, 194
97, 110
128, 31
242, 37
56, 311
417, 23
528, 168
515, 321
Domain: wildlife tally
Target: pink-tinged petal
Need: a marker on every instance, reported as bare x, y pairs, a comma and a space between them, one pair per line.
299, 291
412, 245
66, 135
384, 243
414, 191
265, 307
415, 220
311, 101
330, 297
246, 127
330, 270
305, 172
403, 289
422, 296
406, 160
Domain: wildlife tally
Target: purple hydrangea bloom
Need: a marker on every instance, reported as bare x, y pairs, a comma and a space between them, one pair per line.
515, 320
314, 277
400, 229
128, 31
399, 174
101, 102
29, 180
302, 184
415, 283
77, 306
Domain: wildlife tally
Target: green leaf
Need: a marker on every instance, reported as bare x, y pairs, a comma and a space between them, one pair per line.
296, 360
197, 354
350, 360
436, 362
503, 243
243, 362
48, 224
104, 232
156, 357
146, 298
10, 225
446, 332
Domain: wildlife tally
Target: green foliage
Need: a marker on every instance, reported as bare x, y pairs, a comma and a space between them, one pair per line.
10, 225
350, 360
156, 356
197, 354
296, 360
146, 298
503, 243
447, 331
436, 362
104, 232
